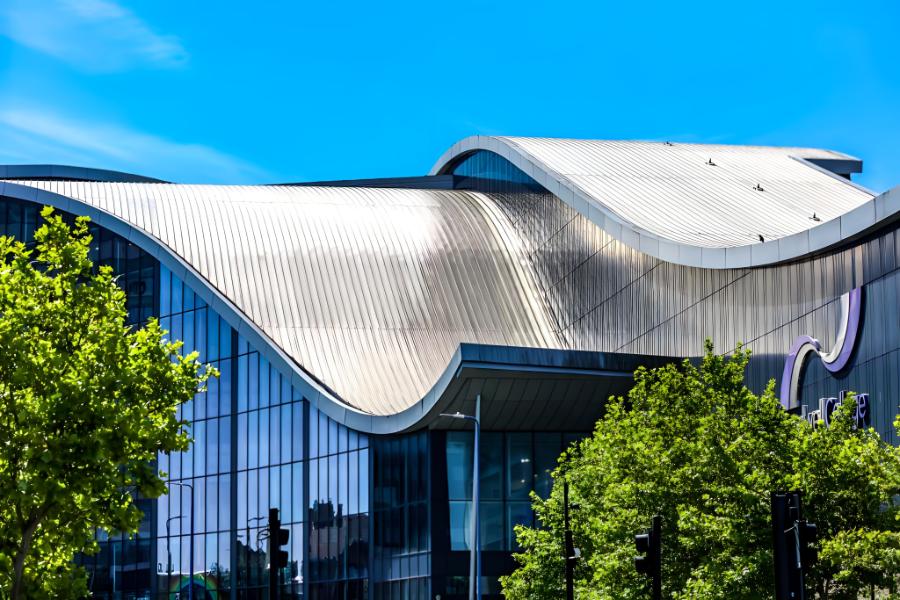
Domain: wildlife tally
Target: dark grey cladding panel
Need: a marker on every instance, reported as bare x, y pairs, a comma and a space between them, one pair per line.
538, 359
70, 173
839, 166
427, 182
528, 389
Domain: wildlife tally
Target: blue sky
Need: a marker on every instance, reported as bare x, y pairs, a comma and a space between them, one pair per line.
239, 92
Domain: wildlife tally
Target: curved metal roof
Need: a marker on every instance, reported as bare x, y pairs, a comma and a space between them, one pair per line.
365, 295
694, 204
368, 291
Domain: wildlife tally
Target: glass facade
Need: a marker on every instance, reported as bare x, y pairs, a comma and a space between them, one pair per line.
489, 172
402, 551
247, 456
369, 516
512, 464
338, 509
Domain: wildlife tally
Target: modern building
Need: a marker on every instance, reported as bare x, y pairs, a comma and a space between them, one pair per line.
534, 274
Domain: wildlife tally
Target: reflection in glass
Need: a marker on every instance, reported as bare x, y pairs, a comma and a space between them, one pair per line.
491, 464
518, 466
459, 465
460, 518
547, 448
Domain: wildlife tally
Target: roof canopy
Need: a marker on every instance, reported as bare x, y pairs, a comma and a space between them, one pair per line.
704, 205
366, 294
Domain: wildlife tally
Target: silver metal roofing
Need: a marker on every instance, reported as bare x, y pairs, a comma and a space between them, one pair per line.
365, 295
668, 201
369, 291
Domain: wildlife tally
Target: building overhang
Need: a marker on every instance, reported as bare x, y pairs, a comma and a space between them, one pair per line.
530, 389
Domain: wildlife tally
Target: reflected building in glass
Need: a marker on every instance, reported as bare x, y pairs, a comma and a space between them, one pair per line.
346, 317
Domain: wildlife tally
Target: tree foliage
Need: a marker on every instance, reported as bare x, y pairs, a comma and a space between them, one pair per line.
86, 403
694, 445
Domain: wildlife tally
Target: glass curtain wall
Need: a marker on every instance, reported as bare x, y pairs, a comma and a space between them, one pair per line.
247, 456
512, 464
338, 508
402, 550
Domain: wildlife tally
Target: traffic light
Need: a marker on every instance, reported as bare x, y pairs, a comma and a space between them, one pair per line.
809, 535
278, 558
794, 544
649, 545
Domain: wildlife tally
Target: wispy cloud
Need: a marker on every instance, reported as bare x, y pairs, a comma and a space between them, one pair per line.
29, 135
94, 35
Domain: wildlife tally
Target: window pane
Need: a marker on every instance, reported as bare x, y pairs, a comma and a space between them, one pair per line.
275, 435
264, 437
364, 481
517, 513
263, 382
242, 383
491, 517
224, 502
242, 449
518, 456
459, 465
224, 339
285, 442
547, 448
253, 380
224, 444
297, 431
224, 382
313, 433
353, 484
490, 461
165, 291
459, 525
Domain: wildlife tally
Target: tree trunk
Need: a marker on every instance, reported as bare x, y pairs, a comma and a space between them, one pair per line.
19, 562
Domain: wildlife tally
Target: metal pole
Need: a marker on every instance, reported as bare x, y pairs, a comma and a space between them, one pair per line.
475, 525
569, 545
476, 485
657, 557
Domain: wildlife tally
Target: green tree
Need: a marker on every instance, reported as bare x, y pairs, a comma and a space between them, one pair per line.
86, 403
694, 445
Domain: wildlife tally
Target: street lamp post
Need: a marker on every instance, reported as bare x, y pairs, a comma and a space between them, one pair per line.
571, 552
475, 558
191, 540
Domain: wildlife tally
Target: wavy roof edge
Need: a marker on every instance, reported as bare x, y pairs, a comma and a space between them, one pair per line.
548, 363
844, 228
854, 223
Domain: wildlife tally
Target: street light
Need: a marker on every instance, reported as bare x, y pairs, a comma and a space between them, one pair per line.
191, 543
475, 559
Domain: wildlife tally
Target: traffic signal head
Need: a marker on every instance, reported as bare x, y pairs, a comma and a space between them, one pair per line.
644, 544
809, 534
649, 544
278, 537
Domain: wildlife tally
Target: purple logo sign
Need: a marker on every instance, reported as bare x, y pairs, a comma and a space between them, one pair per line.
834, 361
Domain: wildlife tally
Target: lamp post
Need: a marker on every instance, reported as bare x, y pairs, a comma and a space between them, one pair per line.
475, 558
191, 540
572, 553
